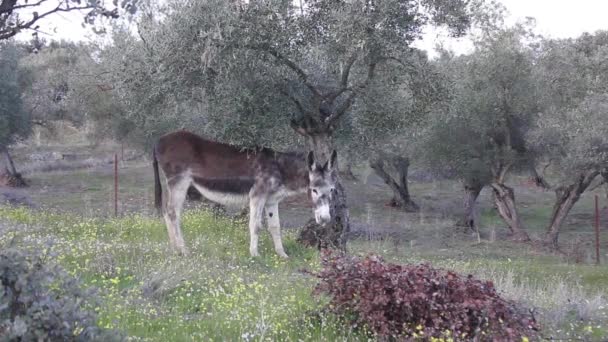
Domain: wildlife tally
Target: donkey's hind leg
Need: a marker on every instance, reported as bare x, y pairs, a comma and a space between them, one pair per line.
274, 226
178, 187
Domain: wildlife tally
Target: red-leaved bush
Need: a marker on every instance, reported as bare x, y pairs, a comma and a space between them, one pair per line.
405, 301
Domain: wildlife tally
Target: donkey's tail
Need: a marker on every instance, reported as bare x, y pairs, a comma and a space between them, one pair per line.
158, 190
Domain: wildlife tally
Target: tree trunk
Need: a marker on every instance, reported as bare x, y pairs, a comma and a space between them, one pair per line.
565, 198
472, 190
334, 234
504, 198
8, 174
539, 180
401, 193
347, 172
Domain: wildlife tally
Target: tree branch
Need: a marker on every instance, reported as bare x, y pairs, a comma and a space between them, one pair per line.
343, 79
6, 33
371, 72
293, 66
26, 5
346, 71
265, 47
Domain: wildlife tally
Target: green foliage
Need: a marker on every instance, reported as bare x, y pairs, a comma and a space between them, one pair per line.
49, 88
66, 82
571, 131
42, 302
481, 129
14, 119
243, 72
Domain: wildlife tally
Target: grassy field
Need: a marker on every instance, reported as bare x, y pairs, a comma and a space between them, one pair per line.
219, 293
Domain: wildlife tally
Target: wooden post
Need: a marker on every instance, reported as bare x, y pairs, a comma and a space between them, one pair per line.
597, 230
115, 184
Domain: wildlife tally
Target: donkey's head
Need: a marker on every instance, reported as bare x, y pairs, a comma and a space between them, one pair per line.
322, 186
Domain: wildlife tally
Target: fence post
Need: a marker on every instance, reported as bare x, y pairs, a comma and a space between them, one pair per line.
115, 184
597, 230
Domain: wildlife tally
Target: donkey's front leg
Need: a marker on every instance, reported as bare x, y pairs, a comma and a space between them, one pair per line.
256, 210
274, 226
177, 189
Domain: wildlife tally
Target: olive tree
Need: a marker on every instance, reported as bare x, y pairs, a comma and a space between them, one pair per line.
14, 119
571, 131
480, 132
261, 68
387, 123
49, 70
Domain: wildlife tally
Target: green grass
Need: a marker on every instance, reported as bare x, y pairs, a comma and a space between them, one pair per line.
219, 293
216, 293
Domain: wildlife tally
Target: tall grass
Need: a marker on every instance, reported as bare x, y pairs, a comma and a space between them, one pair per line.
219, 293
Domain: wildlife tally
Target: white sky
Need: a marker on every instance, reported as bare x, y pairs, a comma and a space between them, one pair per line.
554, 18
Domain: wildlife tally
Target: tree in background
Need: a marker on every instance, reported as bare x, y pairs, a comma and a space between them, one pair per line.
46, 83
571, 132
49, 68
248, 71
480, 132
388, 120
14, 119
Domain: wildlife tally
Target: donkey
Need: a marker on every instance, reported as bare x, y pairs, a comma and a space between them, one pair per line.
228, 174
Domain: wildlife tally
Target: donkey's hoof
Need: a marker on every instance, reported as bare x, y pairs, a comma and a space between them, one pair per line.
254, 254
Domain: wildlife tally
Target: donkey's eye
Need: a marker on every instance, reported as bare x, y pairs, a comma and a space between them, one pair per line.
315, 191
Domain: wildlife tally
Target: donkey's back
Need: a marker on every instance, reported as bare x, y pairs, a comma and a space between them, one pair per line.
181, 151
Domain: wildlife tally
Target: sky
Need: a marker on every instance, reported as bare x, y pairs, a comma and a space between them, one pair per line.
554, 18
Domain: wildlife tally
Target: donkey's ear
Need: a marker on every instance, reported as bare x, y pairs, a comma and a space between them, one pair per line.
310, 161
333, 161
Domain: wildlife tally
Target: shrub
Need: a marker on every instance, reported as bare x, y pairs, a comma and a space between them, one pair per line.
404, 302
40, 302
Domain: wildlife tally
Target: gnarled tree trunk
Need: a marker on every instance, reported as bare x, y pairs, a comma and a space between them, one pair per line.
8, 174
472, 189
565, 198
539, 179
504, 198
401, 194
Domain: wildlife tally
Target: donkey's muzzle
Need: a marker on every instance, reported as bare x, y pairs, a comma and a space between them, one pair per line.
322, 215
